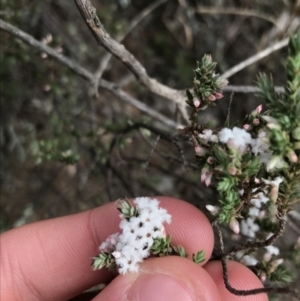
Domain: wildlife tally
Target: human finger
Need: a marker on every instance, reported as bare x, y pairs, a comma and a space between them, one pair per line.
50, 259
239, 276
168, 278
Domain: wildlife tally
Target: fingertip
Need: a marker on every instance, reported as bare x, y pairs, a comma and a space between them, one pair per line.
168, 278
239, 276
189, 227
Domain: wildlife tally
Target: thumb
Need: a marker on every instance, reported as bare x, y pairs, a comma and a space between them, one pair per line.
169, 278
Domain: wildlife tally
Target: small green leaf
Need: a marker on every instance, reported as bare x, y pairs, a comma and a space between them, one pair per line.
199, 257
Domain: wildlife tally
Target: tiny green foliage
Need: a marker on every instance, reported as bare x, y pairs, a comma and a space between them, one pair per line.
199, 257
255, 168
104, 259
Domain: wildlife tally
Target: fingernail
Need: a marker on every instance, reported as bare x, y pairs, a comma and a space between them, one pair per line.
160, 287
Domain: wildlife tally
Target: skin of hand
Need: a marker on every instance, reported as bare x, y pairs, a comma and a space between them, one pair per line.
50, 260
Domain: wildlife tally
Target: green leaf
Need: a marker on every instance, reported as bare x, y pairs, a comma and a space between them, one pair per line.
199, 257
189, 95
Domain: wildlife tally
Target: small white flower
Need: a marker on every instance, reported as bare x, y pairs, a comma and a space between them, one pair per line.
249, 227
259, 199
271, 250
275, 187
236, 138
208, 136
116, 254
249, 260
241, 192
254, 212
109, 244
213, 209
275, 182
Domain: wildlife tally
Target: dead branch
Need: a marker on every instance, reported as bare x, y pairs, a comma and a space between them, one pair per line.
84, 73
89, 15
253, 59
135, 21
236, 11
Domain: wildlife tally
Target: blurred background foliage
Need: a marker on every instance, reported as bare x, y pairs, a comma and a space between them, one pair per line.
64, 149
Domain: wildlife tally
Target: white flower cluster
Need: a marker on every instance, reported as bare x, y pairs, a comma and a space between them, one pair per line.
248, 226
241, 140
133, 244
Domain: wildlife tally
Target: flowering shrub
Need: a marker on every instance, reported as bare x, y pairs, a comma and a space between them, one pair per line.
256, 168
142, 235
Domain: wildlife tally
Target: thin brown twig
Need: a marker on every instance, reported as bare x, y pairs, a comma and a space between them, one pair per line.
248, 89
135, 21
85, 74
253, 59
256, 291
151, 153
89, 15
236, 11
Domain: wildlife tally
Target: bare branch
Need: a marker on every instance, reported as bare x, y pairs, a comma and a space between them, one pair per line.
248, 89
236, 11
91, 19
84, 73
135, 21
253, 59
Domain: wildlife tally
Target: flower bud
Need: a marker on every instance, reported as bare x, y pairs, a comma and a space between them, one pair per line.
247, 127
221, 83
258, 109
213, 209
116, 254
211, 97
263, 277
234, 226
206, 175
232, 169
219, 95
196, 102
210, 160
256, 121
293, 158
200, 151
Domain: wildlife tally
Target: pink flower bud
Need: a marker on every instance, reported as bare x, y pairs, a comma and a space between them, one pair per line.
263, 277
208, 179
196, 102
258, 109
116, 254
256, 121
163, 231
200, 151
211, 97
219, 95
274, 193
293, 158
262, 214
232, 170
247, 127
234, 226
112, 240
210, 160
206, 176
